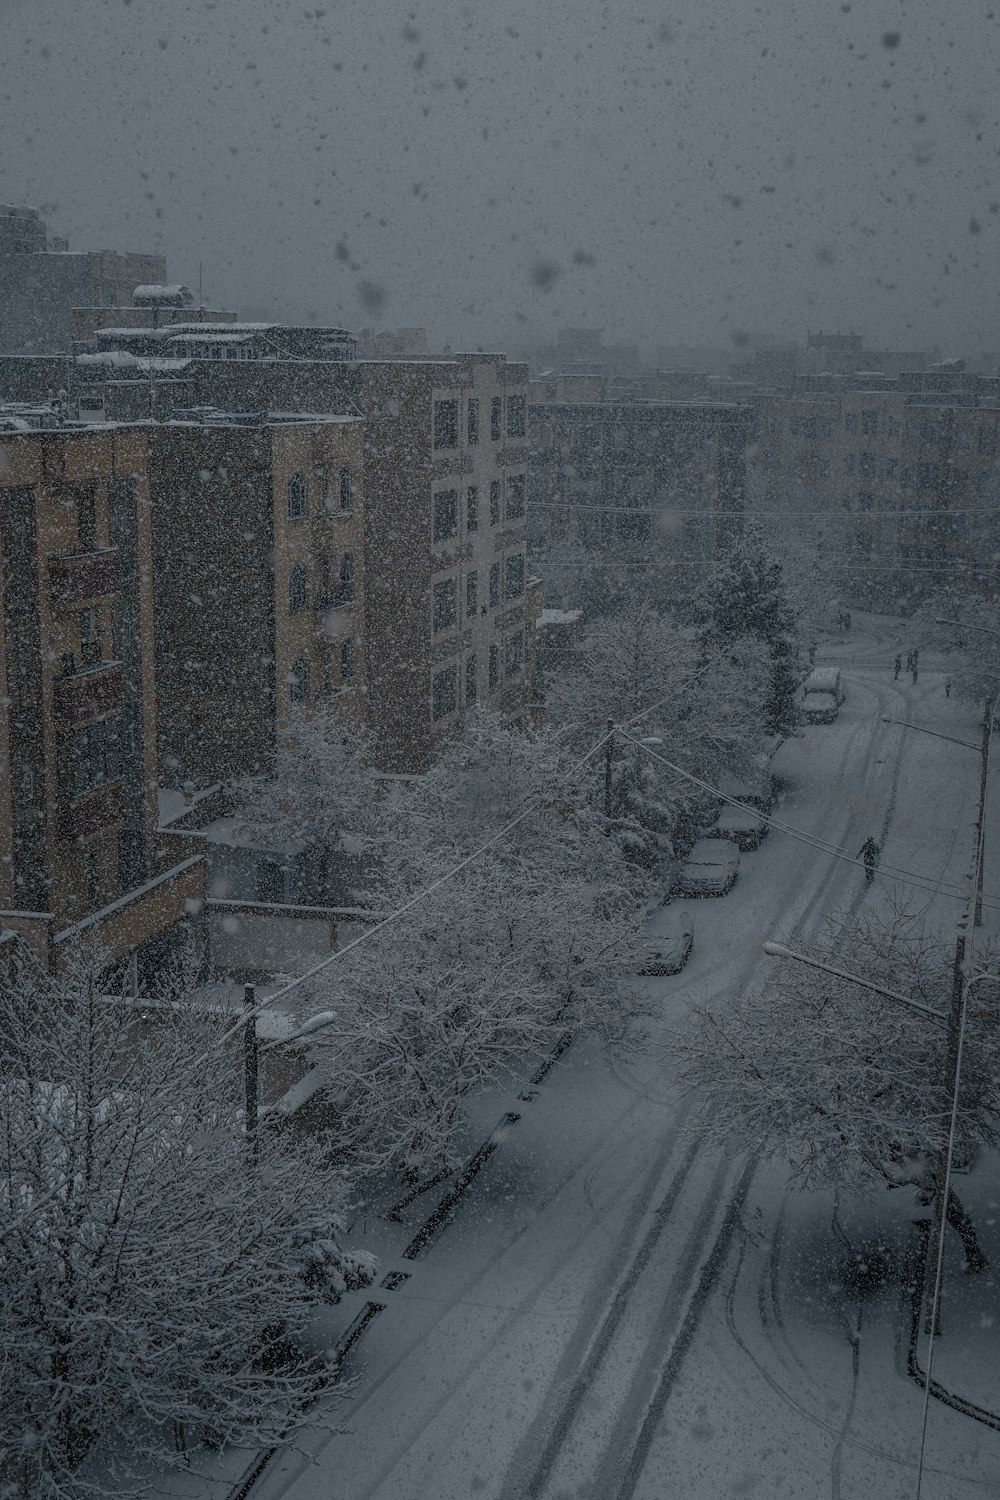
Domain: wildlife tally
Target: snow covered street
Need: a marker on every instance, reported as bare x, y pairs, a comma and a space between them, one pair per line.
614, 1312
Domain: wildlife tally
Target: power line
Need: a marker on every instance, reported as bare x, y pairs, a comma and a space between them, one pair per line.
836, 851
706, 513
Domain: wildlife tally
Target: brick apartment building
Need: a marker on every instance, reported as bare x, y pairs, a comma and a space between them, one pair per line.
77, 713
258, 555
450, 609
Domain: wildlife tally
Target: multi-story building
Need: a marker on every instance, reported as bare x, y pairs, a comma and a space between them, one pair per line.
151, 307
450, 608
612, 474
42, 281
899, 473
77, 713
258, 553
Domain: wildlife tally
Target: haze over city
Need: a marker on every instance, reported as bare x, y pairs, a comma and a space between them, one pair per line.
692, 174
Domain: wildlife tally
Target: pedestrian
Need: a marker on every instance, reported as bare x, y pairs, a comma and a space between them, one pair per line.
870, 853
909, 660
812, 654
947, 689
916, 658
897, 664
847, 620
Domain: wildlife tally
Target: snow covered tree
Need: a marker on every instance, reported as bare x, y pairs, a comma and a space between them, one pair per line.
321, 801
845, 1084
534, 936
746, 596
157, 1277
966, 629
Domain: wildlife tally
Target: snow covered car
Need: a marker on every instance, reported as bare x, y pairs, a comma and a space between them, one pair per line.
742, 826
710, 869
820, 708
668, 948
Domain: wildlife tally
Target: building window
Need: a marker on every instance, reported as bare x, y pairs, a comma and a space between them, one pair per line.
345, 584
515, 496
446, 424
90, 638
514, 576
515, 416
346, 489
297, 504
445, 514
850, 421
298, 589
513, 654
495, 419
86, 518
495, 586
471, 595
472, 429
445, 606
470, 679
494, 501
494, 667
444, 692
298, 681
95, 756
472, 508
346, 660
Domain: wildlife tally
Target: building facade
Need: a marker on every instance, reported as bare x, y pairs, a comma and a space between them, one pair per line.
450, 607
78, 846
258, 556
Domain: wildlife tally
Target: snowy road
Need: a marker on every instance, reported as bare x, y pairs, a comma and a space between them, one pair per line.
614, 1312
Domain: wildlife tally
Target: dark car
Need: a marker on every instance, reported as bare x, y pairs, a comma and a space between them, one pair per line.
710, 869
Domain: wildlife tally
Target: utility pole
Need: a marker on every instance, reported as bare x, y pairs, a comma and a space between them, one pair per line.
934, 1267
980, 831
608, 757
250, 1067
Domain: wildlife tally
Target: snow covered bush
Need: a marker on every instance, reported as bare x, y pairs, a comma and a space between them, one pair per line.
151, 1267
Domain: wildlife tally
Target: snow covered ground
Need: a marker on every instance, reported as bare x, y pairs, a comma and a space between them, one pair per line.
611, 1311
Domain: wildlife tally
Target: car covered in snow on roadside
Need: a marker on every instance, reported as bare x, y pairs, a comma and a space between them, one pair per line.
710, 869
740, 825
667, 947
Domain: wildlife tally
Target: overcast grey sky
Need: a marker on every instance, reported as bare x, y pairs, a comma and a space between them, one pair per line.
696, 172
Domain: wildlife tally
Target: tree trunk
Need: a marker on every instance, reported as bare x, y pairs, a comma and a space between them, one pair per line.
962, 1224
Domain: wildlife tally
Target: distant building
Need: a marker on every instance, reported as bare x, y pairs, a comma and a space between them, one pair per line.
152, 307
395, 343
614, 474
78, 713
42, 281
900, 473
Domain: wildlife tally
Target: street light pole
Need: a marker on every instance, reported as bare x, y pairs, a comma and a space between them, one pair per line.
980, 829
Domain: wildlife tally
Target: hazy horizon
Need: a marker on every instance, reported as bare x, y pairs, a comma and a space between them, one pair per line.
695, 176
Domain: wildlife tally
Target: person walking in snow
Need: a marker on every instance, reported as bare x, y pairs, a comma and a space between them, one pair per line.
870, 853
947, 689
897, 664
909, 660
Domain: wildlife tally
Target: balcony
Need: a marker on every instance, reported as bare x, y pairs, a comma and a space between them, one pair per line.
94, 810
88, 575
87, 692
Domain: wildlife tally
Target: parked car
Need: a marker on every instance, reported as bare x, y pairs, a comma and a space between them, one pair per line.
820, 708
710, 869
742, 826
668, 948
